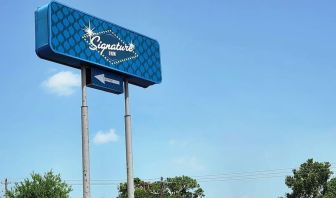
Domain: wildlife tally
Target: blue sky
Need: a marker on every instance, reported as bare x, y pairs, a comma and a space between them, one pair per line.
247, 86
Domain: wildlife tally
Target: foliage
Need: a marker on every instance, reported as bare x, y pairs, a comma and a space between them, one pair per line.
47, 186
331, 189
310, 180
177, 187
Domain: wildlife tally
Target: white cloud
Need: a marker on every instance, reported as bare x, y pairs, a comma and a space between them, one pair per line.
105, 137
62, 83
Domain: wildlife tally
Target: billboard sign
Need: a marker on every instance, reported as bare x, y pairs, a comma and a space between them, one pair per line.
74, 38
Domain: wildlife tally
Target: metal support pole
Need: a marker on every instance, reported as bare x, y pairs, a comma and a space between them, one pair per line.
128, 137
85, 139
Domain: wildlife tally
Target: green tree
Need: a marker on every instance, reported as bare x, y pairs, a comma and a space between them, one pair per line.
142, 189
310, 180
331, 189
177, 187
47, 186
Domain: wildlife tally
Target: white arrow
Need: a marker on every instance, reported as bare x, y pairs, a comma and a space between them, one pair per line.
103, 79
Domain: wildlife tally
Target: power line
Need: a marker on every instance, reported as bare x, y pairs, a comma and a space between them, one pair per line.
245, 172
234, 176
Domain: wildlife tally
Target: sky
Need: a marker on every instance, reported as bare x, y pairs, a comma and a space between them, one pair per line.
248, 93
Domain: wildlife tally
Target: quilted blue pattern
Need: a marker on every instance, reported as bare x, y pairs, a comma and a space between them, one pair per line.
66, 29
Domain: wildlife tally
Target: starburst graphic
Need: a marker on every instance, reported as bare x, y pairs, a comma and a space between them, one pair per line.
131, 45
88, 30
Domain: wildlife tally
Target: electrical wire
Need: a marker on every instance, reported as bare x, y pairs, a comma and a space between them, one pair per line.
219, 177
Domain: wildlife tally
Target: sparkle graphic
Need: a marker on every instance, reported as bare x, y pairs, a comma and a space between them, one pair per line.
88, 30
131, 45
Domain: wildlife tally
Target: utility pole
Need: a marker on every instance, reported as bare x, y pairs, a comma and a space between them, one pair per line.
162, 187
6, 187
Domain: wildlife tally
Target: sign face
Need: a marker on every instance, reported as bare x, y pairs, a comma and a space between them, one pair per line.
71, 37
104, 80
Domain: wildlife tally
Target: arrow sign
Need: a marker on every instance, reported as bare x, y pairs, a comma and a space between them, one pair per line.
104, 80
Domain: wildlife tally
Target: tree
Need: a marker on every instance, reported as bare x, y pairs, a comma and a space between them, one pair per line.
310, 180
177, 187
331, 189
142, 189
47, 186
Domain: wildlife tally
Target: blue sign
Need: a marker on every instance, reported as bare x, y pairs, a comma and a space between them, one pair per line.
104, 80
71, 37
